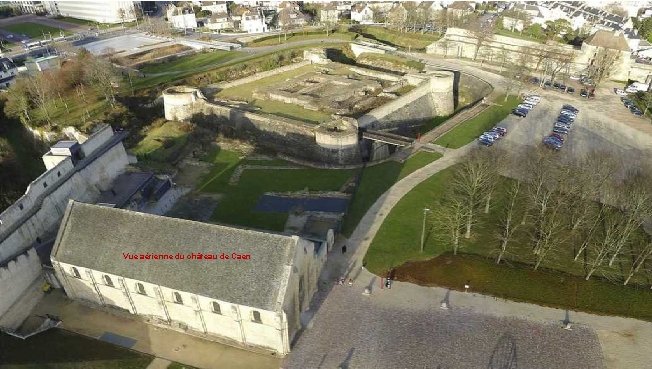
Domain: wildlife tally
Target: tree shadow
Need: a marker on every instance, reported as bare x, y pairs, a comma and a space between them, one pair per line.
347, 361
504, 354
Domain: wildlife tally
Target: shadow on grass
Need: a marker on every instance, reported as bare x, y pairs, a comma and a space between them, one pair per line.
519, 282
61, 349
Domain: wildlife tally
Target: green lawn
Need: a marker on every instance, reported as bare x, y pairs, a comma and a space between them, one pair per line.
393, 59
412, 40
516, 34
192, 62
376, 180
398, 241
59, 349
236, 207
301, 36
164, 143
72, 20
34, 30
520, 283
469, 130
245, 91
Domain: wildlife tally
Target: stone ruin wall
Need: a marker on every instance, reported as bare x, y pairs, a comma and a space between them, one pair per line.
288, 136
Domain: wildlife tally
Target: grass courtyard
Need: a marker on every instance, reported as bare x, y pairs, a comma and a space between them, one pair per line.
239, 200
558, 283
163, 143
59, 349
469, 130
192, 62
35, 30
245, 92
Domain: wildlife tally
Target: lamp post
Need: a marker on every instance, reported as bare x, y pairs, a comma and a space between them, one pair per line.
423, 228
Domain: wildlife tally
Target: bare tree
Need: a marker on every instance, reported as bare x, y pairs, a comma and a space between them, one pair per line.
471, 181
39, 90
482, 31
508, 223
449, 219
102, 76
640, 258
603, 64
18, 102
136, 12
122, 14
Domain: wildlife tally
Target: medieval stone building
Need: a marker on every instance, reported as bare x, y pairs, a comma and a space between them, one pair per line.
248, 287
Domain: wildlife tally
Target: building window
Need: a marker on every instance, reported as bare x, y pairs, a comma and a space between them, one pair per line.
108, 281
256, 317
75, 273
215, 307
140, 288
177, 298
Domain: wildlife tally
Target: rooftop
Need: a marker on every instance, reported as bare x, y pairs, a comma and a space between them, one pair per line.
608, 40
96, 237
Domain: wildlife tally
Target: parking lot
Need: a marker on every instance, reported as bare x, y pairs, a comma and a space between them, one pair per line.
602, 124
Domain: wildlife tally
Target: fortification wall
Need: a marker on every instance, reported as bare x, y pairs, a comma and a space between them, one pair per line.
37, 214
431, 98
261, 75
471, 89
288, 136
16, 277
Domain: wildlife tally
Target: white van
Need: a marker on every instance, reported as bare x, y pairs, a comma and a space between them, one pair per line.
636, 87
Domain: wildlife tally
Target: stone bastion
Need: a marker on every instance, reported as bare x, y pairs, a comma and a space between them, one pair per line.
353, 97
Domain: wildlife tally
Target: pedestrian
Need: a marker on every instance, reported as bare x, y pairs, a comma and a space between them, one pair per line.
467, 286
344, 249
350, 282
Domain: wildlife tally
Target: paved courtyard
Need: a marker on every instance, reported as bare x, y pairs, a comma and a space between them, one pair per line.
399, 328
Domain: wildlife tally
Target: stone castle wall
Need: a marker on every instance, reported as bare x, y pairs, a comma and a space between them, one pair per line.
434, 96
35, 217
288, 136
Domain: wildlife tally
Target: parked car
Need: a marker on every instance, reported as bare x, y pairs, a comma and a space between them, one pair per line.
548, 84
571, 108
620, 92
584, 93
562, 87
485, 142
535, 81
560, 130
557, 136
635, 110
500, 130
520, 112
556, 85
525, 106
552, 143
570, 90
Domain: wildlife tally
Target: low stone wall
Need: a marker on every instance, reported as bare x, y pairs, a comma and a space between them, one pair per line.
261, 75
288, 136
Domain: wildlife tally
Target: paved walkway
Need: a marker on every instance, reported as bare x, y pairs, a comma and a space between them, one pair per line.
162, 343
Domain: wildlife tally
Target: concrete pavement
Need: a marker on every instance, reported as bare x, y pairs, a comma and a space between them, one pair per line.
164, 344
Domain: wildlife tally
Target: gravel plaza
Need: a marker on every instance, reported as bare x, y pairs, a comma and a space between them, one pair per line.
404, 328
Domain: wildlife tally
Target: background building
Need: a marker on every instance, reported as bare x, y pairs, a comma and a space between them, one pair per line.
101, 11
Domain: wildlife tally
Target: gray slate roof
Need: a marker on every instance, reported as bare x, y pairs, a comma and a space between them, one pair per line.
96, 237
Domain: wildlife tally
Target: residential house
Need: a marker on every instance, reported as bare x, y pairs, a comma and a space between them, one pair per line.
7, 72
243, 286
214, 6
288, 4
218, 22
344, 9
397, 15
328, 13
181, 17
253, 22
289, 17
460, 9
430, 9
362, 13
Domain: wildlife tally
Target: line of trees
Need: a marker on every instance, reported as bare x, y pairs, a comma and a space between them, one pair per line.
583, 212
46, 91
